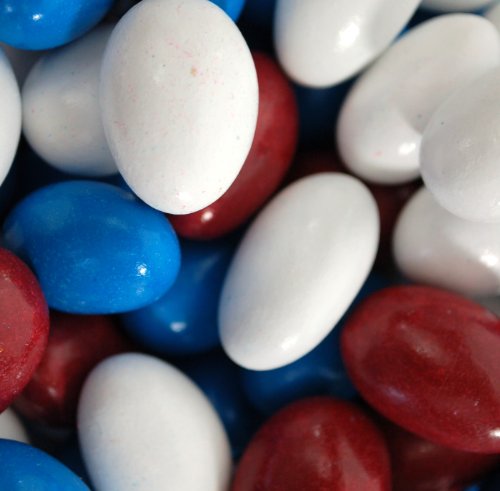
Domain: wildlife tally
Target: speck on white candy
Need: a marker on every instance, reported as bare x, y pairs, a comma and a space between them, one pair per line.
320, 43
179, 97
461, 148
10, 116
435, 247
380, 126
297, 270
61, 111
11, 427
143, 424
456, 5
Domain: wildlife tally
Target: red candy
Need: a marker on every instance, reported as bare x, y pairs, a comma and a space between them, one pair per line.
429, 360
76, 344
317, 444
271, 154
24, 326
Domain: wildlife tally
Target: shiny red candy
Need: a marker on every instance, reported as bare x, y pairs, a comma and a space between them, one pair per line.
24, 326
317, 444
428, 360
76, 344
265, 167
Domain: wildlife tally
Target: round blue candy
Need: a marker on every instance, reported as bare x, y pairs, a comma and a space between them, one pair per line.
184, 320
232, 8
94, 247
25, 468
45, 24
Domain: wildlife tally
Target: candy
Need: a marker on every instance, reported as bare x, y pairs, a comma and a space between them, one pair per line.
11, 427
297, 269
143, 424
43, 24
314, 445
321, 43
427, 359
61, 112
382, 120
459, 155
94, 247
270, 157
179, 97
24, 326
25, 468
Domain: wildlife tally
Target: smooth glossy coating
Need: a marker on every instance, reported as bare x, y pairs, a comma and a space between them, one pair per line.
232, 8
45, 24
179, 98
297, 269
427, 359
143, 424
11, 427
24, 326
26, 468
380, 127
61, 112
184, 320
76, 344
94, 247
317, 444
270, 156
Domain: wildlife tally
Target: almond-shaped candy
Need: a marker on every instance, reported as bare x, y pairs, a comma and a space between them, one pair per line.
179, 97
143, 424
435, 247
382, 120
297, 269
323, 42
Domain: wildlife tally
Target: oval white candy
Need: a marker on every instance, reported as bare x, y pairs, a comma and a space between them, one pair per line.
61, 111
298, 268
433, 246
461, 148
10, 116
11, 427
381, 123
143, 424
179, 96
455, 5
320, 43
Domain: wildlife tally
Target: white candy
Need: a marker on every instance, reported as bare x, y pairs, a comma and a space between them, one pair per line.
298, 268
144, 425
11, 427
61, 111
179, 96
323, 42
456, 5
380, 127
433, 246
10, 116
460, 156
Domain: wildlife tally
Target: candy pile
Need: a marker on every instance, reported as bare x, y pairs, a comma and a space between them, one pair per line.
250, 246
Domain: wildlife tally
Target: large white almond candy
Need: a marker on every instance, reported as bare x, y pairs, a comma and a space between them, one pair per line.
455, 5
61, 111
320, 43
461, 150
11, 427
433, 246
298, 268
10, 116
143, 425
179, 97
380, 127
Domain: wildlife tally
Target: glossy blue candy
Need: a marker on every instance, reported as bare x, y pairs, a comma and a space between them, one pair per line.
94, 247
44, 24
232, 8
25, 468
184, 321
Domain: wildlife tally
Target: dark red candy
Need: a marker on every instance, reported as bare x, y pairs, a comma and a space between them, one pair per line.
76, 344
271, 154
313, 162
317, 444
429, 360
24, 326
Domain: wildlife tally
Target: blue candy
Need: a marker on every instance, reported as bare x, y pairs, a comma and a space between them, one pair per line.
184, 321
25, 468
44, 24
232, 8
94, 247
